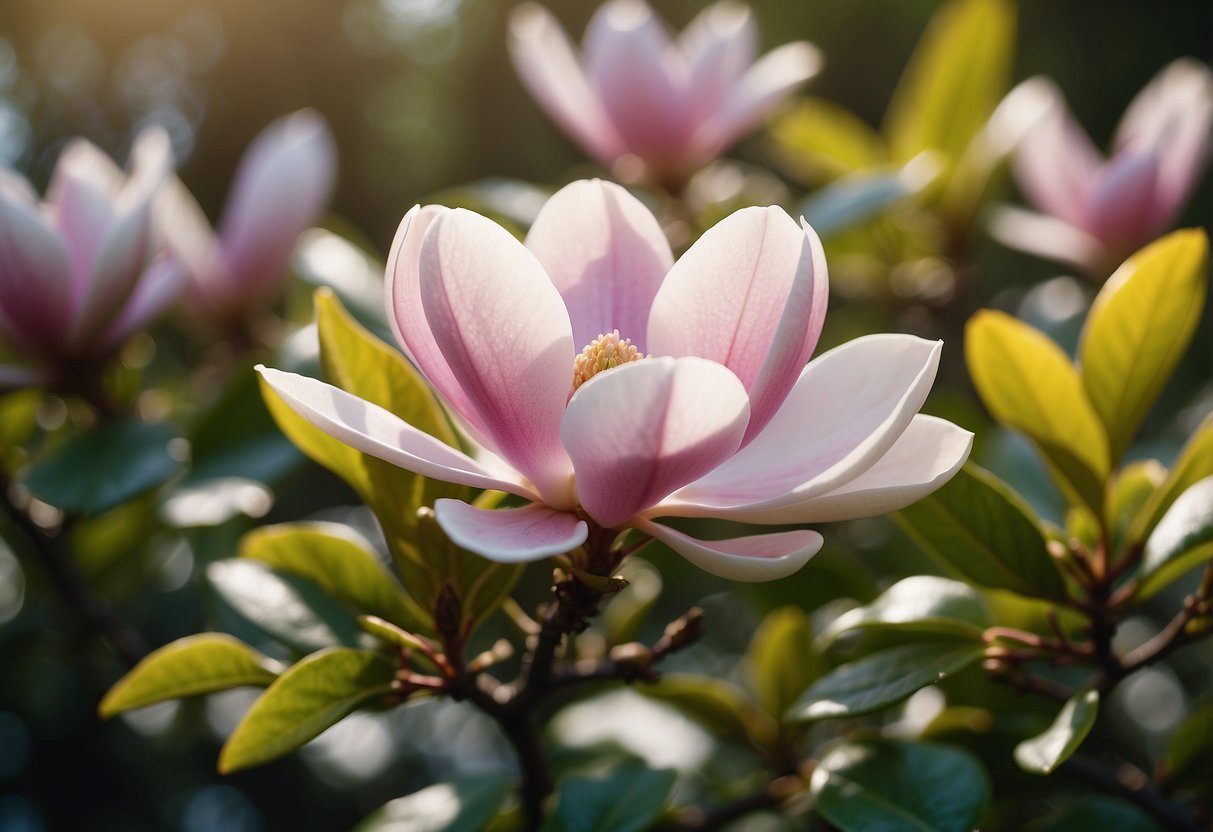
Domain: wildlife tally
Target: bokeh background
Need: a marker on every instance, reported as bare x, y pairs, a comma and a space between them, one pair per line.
422, 98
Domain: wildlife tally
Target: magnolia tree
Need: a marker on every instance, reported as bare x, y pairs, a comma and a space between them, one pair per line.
598, 435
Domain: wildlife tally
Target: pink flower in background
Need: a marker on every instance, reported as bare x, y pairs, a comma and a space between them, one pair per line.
723, 420
280, 189
1103, 209
647, 106
77, 272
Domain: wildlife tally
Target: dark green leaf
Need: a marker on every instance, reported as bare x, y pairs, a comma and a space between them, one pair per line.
464, 805
1181, 540
1190, 750
781, 660
886, 785
311, 696
979, 527
291, 610
1099, 814
922, 604
1044, 753
190, 666
882, 679
99, 470
626, 800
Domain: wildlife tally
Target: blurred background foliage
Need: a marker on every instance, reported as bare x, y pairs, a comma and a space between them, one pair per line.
422, 98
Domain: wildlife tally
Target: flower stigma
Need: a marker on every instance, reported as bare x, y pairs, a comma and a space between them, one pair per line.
603, 353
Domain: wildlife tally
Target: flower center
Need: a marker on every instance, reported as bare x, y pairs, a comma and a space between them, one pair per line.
603, 353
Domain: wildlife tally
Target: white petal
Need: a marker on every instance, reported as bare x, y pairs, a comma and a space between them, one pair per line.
764, 557
510, 535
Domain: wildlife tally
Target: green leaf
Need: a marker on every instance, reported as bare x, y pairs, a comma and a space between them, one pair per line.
1134, 486
1044, 753
922, 604
859, 197
954, 79
781, 660
1181, 540
464, 805
1190, 749
311, 696
332, 557
890, 785
629, 799
1028, 383
1139, 327
977, 525
291, 610
96, 471
1099, 814
720, 707
1195, 462
882, 679
816, 140
190, 666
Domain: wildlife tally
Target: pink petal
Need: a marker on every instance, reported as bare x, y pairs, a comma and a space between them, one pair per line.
639, 431
924, 457
280, 189
549, 68
15, 378
373, 430
763, 88
750, 294
159, 287
187, 233
848, 408
83, 190
510, 535
606, 254
640, 79
15, 187
120, 260
1046, 236
1055, 163
763, 557
1173, 114
35, 278
719, 45
502, 327
1121, 210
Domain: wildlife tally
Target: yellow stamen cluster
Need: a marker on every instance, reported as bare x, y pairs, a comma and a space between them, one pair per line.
603, 353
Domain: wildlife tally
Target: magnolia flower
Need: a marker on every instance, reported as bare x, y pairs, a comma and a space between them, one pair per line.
644, 105
281, 187
77, 272
690, 399
1100, 210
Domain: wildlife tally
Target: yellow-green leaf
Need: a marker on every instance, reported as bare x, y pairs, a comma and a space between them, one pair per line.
956, 76
781, 660
311, 696
817, 140
1028, 383
1139, 327
1195, 462
190, 666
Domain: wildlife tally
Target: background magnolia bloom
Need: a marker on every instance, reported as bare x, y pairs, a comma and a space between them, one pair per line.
725, 420
1100, 210
77, 272
280, 189
635, 95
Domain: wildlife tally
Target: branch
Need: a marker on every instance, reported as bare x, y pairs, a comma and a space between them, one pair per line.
1133, 785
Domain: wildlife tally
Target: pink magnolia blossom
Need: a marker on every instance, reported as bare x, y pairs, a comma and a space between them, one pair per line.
1099, 209
647, 106
77, 272
280, 188
723, 420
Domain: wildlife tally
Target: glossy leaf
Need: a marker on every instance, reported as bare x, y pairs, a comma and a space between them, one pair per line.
464, 805
1099, 814
190, 666
1139, 327
1195, 462
983, 530
330, 556
1044, 753
882, 679
1134, 486
94, 472
889, 785
311, 696
957, 74
1028, 383
720, 707
1190, 749
781, 660
817, 140
922, 604
1181, 540
290, 610
629, 799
